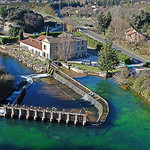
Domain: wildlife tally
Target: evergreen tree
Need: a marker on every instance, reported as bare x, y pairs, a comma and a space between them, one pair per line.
108, 59
47, 30
86, 2
20, 34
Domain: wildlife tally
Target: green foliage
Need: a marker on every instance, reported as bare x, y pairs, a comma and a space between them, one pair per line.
20, 34
104, 22
2, 11
99, 46
141, 84
47, 30
123, 57
14, 31
6, 40
6, 82
147, 64
108, 59
141, 21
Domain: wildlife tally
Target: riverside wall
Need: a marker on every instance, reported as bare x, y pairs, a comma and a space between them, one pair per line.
87, 95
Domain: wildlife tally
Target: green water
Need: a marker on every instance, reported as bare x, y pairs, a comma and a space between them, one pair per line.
127, 126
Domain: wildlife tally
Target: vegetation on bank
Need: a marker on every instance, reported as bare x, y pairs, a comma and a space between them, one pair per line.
6, 82
139, 83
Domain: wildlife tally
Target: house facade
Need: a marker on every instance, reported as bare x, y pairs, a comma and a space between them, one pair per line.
134, 36
62, 47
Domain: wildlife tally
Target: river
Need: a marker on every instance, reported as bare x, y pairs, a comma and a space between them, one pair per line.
127, 126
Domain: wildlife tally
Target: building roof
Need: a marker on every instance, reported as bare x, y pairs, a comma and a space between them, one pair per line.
42, 37
66, 36
130, 31
33, 42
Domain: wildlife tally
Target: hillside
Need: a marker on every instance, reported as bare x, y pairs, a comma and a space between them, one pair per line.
25, 18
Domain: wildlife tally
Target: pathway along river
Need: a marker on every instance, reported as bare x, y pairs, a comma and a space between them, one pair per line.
127, 127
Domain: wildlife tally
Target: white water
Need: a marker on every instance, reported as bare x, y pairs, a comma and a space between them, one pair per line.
30, 78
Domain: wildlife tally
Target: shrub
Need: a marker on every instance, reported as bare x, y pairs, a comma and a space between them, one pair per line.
6, 40
147, 64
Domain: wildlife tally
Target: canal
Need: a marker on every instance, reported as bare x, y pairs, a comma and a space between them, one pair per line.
127, 126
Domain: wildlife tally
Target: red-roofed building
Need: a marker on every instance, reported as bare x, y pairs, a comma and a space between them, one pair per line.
52, 48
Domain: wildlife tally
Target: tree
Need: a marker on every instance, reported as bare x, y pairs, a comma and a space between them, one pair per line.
104, 22
20, 34
108, 59
65, 47
47, 30
14, 31
125, 73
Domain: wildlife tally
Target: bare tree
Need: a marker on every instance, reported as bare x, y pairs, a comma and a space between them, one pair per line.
65, 47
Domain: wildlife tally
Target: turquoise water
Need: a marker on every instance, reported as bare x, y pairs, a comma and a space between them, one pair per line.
127, 126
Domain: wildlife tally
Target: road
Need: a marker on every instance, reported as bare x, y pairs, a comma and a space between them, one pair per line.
100, 39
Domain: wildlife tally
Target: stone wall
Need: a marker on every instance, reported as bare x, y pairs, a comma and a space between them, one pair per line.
86, 94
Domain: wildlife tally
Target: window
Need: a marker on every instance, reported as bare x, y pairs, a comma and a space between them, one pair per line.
43, 54
78, 43
82, 48
32, 51
82, 42
45, 47
78, 48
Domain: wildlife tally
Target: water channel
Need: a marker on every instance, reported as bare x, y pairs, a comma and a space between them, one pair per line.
127, 126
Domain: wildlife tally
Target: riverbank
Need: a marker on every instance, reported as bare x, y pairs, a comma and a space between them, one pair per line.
6, 83
139, 83
24, 56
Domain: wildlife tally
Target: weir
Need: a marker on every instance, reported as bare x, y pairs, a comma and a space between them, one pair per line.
87, 95
48, 114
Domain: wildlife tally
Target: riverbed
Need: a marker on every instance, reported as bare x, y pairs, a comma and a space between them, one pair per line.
127, 126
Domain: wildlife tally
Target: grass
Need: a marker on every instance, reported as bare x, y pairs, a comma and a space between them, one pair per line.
92, 68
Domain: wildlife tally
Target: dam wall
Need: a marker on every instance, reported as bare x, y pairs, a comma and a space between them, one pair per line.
87, 95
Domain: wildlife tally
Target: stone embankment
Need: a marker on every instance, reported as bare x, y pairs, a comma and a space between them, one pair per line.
25, 57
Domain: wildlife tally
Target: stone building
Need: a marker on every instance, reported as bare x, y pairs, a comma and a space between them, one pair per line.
65, 46
134, 36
